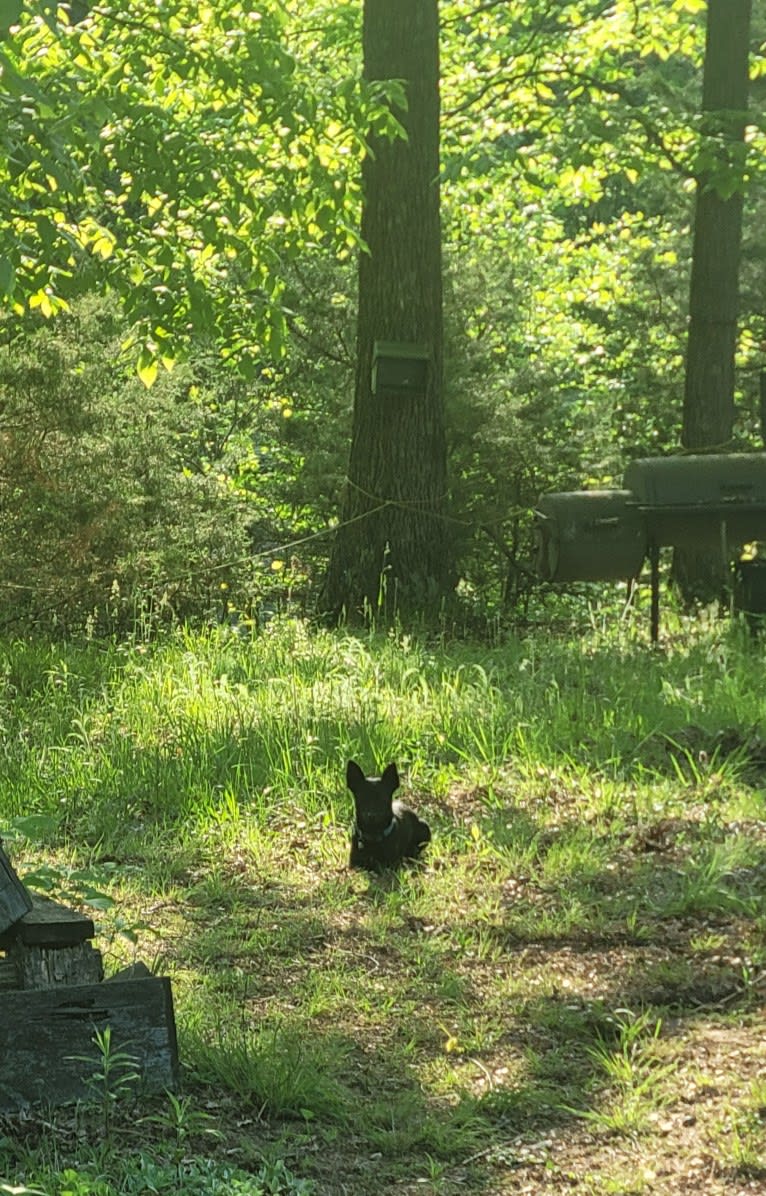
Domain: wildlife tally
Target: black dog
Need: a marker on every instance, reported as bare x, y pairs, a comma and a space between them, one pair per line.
385, 831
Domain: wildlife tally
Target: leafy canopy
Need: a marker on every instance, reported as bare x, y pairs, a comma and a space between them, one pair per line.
181, 153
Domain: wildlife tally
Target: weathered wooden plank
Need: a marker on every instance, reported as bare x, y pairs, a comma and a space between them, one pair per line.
14, 898
41, 1032
49, 924
44, 967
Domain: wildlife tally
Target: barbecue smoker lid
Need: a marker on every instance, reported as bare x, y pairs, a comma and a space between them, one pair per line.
699, 480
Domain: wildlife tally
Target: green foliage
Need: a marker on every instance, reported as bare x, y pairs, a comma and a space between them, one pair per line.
140, 1173
121, 508
741, 1138
637, 1075
204, 165
184, 156
114, 1079
111, 738
563, 363
185, 1123
277, 1069
570, 143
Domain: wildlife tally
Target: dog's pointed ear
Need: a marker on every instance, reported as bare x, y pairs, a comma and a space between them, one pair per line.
354, 775
390, 777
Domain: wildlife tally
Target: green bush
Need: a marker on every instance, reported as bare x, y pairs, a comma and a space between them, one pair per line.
113, 504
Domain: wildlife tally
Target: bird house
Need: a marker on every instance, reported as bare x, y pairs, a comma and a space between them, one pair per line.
399, 370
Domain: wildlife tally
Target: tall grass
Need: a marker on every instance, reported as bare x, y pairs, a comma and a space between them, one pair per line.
110, 739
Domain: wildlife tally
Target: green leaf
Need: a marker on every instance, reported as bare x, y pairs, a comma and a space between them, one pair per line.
147, 367
33, 826
100, 901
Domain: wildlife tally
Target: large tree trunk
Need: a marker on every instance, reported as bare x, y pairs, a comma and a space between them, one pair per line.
708, 414
391, 551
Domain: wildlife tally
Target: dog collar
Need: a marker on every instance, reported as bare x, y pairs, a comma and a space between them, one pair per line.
376, 838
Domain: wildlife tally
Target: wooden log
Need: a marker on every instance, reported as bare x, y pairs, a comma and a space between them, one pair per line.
14, 898
45, 967
43, 1032
8, 977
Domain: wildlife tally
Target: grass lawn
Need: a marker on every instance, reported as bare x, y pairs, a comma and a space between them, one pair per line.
567, 997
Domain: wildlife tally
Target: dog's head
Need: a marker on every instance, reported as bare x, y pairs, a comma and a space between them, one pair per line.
372, 797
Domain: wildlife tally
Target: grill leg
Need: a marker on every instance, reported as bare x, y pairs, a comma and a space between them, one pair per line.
654, 562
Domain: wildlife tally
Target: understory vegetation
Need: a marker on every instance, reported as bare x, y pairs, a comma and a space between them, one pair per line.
570, 148
567, 996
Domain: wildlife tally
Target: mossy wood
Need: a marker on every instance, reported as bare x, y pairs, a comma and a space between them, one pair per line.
54, 1000
47, 1048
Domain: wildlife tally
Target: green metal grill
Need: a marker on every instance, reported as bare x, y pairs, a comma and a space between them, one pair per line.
589, 535
706, 502
700, 501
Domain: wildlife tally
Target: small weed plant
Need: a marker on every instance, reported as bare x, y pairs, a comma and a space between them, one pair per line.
635, 1076
114, 1080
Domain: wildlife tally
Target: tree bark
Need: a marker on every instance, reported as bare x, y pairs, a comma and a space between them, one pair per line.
391, 551
708, 412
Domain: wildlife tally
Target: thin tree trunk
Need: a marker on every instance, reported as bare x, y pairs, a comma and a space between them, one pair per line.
391, 552
708, 413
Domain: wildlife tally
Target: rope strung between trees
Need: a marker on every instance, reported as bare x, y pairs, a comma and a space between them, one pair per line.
382, 504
